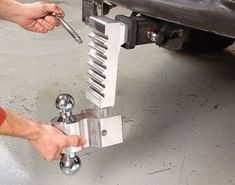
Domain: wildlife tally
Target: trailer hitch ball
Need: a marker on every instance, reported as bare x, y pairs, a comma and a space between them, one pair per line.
70, 163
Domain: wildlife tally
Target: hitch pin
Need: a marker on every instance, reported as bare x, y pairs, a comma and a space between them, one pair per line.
69, 29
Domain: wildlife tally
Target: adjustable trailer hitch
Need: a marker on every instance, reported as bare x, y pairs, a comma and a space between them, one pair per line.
97, 126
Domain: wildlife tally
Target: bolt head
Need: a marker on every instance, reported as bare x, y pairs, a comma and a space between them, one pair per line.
153, 37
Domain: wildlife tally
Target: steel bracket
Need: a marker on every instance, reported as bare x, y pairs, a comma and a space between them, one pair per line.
99, 129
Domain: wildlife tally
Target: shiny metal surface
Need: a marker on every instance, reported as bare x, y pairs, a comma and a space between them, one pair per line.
70, 164
92, 124
99, 129
93, 130
106, 39
69, 29
153, 36
65, 104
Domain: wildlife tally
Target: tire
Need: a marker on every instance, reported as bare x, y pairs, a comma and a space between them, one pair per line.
205, 42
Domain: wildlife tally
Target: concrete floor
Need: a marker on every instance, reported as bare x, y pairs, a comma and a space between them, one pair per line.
178, 111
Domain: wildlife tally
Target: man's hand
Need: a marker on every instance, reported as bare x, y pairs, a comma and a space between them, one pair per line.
51, 141
37, 17
34, 17
47, 140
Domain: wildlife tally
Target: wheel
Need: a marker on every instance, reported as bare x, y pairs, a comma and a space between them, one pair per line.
205, 42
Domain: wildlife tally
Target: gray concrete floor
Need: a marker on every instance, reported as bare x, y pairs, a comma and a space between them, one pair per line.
178, 111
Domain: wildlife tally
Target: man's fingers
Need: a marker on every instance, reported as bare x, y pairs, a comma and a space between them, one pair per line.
40, 29
74, 141
53, 8
58, 156
52, 20
45, 24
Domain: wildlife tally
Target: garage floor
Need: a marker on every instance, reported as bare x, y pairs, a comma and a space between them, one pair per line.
178, 110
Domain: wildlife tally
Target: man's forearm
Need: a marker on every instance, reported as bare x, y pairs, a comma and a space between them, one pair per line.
19, 127
47, 140
10, 9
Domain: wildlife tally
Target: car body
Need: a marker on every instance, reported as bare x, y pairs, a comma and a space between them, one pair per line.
209, 15
207, 20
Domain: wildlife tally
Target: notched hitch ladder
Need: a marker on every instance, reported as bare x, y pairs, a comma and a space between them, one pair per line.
107, 37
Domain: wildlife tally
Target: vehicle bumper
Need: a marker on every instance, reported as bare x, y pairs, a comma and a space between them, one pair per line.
214, 16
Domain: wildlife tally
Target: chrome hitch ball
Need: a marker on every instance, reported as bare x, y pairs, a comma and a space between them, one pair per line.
70, 163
